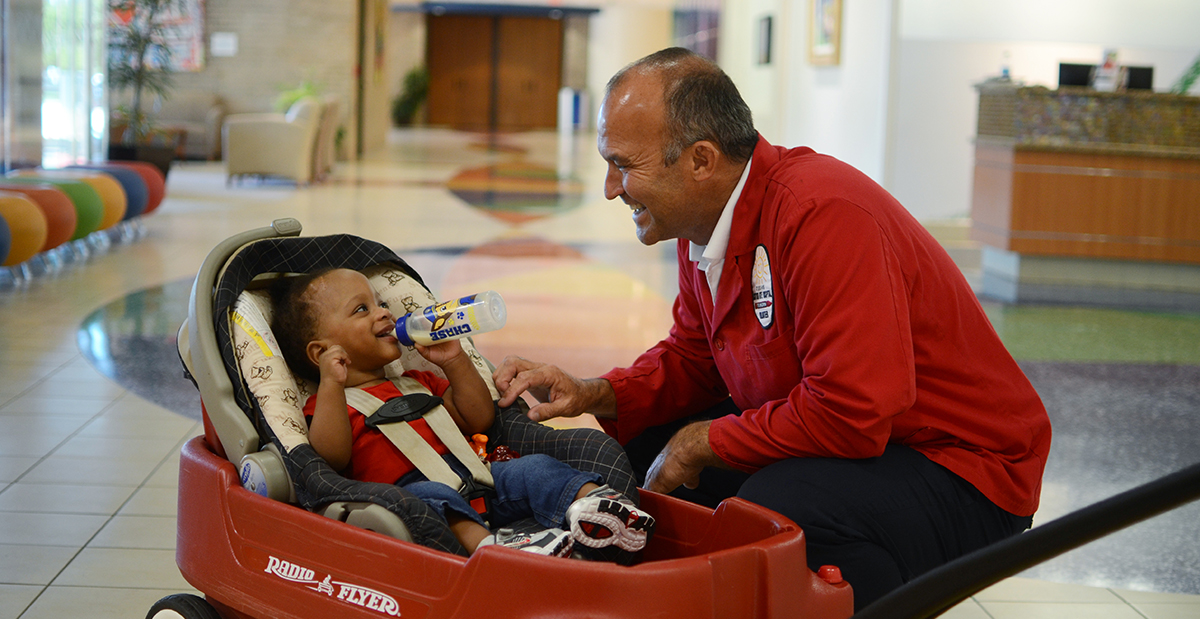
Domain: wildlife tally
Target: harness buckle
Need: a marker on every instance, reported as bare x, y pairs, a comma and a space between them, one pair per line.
479, 496
404, 408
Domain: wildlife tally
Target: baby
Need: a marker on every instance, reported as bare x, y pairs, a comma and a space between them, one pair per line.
333, 330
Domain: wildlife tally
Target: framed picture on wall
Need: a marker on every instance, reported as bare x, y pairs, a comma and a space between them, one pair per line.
182, 25
764, 40
825, 34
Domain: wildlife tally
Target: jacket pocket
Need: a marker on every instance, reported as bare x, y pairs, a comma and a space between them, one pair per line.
774, 348
769, 371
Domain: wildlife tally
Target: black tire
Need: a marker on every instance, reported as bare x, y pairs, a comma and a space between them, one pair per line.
182, 606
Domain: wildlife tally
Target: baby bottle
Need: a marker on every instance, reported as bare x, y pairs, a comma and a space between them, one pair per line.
478, 313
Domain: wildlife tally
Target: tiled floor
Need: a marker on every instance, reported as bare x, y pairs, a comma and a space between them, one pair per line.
88, 466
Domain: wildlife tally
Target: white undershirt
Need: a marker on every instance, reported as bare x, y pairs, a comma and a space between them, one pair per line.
710, 258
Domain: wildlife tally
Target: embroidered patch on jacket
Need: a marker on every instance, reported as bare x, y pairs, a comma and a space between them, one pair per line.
761, 288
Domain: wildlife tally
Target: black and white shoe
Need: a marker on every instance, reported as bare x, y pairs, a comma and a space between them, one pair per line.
551, 542
607, 526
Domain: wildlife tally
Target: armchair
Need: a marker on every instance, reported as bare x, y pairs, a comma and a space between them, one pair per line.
273, 144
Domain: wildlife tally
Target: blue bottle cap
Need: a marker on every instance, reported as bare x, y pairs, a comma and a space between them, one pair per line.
402, 331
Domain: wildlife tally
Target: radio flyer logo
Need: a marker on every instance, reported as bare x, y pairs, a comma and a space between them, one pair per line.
344, 591
762, 289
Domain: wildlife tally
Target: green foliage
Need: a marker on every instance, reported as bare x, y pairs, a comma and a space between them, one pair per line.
413, 93
288, 96
139, 59
1187, 79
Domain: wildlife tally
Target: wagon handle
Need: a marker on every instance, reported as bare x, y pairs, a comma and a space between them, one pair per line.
936, 591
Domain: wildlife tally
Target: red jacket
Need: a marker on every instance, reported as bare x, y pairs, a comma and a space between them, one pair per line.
867, 334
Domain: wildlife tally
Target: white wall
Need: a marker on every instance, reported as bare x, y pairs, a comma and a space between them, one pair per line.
1119, 23
618, 35
840, 110
762, 85
946, 47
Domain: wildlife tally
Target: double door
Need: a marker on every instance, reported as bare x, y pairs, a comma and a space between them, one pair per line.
499, 73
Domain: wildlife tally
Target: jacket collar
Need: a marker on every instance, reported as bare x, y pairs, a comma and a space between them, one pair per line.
743, 237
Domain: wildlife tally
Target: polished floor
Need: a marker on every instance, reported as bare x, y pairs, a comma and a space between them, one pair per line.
93, 405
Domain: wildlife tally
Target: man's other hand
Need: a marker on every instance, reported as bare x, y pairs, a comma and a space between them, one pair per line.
682, 459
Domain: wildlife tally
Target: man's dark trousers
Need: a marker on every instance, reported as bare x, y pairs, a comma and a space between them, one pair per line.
883, 521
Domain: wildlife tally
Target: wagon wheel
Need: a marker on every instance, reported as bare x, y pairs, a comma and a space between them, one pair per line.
182, 606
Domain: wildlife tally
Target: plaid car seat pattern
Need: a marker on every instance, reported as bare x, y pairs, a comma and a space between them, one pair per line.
316, 484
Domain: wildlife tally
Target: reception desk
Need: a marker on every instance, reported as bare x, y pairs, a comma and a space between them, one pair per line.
1085, 196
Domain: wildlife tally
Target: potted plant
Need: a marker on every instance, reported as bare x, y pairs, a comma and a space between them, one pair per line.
287, 96
413, 93
139, 60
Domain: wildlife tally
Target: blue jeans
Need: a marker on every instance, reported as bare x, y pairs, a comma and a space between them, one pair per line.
533, 485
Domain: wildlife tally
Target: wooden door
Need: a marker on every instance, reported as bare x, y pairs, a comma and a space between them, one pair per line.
529, 68
496, 72
459, 57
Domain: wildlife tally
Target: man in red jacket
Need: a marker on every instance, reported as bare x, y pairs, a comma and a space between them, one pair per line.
828, 359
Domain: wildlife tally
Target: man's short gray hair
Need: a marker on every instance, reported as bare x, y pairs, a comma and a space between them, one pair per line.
701, 104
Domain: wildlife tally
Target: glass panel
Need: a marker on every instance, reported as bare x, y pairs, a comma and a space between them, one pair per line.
73, 114
5, 113
22, 79
98, 77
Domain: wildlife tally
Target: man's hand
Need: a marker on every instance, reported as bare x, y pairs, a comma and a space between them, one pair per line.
560, 394
682, 459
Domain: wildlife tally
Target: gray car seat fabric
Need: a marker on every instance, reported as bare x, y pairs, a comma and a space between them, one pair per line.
318, 484
585, 449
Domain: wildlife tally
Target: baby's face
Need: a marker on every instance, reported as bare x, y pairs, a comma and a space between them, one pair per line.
352, 317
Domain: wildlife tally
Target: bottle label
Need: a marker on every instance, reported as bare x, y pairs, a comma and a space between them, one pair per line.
451, 318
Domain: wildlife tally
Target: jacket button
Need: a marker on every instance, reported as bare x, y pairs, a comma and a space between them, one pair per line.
720, 344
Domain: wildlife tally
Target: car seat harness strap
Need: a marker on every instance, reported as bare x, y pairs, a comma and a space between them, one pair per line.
392, 417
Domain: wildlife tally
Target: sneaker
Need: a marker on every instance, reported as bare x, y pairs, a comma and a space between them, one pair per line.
551, 542
607, 526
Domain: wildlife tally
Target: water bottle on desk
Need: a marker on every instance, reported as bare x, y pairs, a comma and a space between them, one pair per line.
451, 320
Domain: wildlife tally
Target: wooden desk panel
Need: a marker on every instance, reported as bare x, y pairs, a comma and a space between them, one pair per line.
1093, 205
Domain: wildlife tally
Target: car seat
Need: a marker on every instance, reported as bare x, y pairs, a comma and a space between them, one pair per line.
266, 392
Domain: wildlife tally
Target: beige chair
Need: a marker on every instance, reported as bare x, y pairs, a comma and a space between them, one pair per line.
281, 145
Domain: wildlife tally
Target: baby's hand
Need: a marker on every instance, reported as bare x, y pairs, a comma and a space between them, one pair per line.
442, 353
334, 363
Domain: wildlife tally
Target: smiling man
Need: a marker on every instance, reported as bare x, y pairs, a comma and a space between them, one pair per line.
827, 360
677, 187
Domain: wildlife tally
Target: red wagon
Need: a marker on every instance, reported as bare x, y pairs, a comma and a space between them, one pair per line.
265, 556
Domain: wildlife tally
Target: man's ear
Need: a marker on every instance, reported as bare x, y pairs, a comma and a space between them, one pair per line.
704, 156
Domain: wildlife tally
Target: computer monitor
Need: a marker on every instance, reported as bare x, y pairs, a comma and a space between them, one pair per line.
1070, 74
1140, 78
1073, 74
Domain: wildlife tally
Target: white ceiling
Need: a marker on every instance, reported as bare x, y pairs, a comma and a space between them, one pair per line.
594, 4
